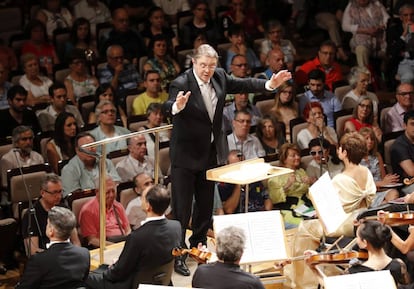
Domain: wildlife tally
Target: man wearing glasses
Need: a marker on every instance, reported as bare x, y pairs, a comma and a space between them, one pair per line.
405, 101
35, 237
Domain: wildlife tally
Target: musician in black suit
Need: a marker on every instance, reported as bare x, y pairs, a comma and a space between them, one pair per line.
146, 248
196, 101
62, 265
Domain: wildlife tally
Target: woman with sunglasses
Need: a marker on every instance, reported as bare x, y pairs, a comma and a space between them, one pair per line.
321, 155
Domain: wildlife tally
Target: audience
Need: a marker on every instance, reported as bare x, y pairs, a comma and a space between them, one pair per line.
54, 16
270, 134
239, 69
8, 57
81, 38
322, 160
275, 60
394, 119
94, 11
172, 7
4, 86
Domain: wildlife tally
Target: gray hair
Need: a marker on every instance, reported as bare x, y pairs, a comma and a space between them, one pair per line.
63, 221
97, 181
205, 50
109, 49
405, 6
354, 74
50, 178
101, 104
230, 244
17, 131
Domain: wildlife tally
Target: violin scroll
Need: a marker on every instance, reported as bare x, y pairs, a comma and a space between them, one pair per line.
408, 181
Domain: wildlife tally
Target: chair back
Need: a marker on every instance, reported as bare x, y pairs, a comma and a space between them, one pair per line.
296, 125
126, 193
383, 116
85, 105
265, 106
117, 156
128, 102
5, 146
165, 161
341, 91
158, 276
135, 122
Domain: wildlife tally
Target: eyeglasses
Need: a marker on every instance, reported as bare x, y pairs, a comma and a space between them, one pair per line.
314, 153
54, 192
108, 111
248, 121
241, 65
406, 93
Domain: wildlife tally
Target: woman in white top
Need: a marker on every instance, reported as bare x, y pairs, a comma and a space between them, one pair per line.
54, 16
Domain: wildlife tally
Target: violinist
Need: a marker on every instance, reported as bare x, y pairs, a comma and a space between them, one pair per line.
373, 236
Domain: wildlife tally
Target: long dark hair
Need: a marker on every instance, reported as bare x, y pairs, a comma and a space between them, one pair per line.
67, 148
74, 32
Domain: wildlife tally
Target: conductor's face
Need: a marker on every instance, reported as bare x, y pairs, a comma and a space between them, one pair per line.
204, 67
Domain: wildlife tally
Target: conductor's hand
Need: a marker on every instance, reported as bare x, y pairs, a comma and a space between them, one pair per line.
279, 78
182, 99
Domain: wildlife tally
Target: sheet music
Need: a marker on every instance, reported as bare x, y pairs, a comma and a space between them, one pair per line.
265, 240
366, 280
325, 199
111, 255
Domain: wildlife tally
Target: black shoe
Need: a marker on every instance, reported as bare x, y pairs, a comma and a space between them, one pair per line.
181, 268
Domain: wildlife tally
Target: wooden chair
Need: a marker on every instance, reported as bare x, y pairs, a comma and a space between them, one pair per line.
135, 122
341, 91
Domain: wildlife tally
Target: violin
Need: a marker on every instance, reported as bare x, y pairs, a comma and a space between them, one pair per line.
408, 181
398, 218
332, 257
200, 256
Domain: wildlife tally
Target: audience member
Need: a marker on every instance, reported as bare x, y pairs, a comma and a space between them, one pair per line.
94, 11
58, 96
17, 113
230, 244
8, 58
172, 7
276, 62
78, 82
81, 38
122, 76
317, 93
146, 248
366, 20
62, 145
22, 153
63, 265
38, 44
137, 160
35, 236
313, 114
116, 224
197, 41
322, 159
37, 85
136, 214
274, 41
324, 61
4, 86
107, 92
54, 16
363, 116
237, 38
394, 119
160, 59
271, 134
239, 69
152, 94
285, 108
240, 102
106, 115
82, 169
233, 195
240, 139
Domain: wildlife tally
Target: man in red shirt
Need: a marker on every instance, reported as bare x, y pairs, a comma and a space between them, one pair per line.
325, 61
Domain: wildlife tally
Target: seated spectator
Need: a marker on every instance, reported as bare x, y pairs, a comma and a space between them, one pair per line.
107, 92
273, 41
38, 44
285, 108
22, 153
359, 80
134, 209
4, 86
374, 162
54, 16
117, 226
81, 170
232, 195
157, 25
241, 102
35, 236
318, 93
201, 23
172, 7
197, 41
313, 114
36, 85
394, 119
241, 140
122, 76
17, 113
366, 20
152, 94
81, 38
322, 160
58, 96
94, 11
137, 160
78, 82
363, 116
239, 46
67, 266
155, 119
239, 69
324, 61
8, 58
240, 14
270, 134
160, 59
291, 189
275, 60
62, 145
230, 245
106, 115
